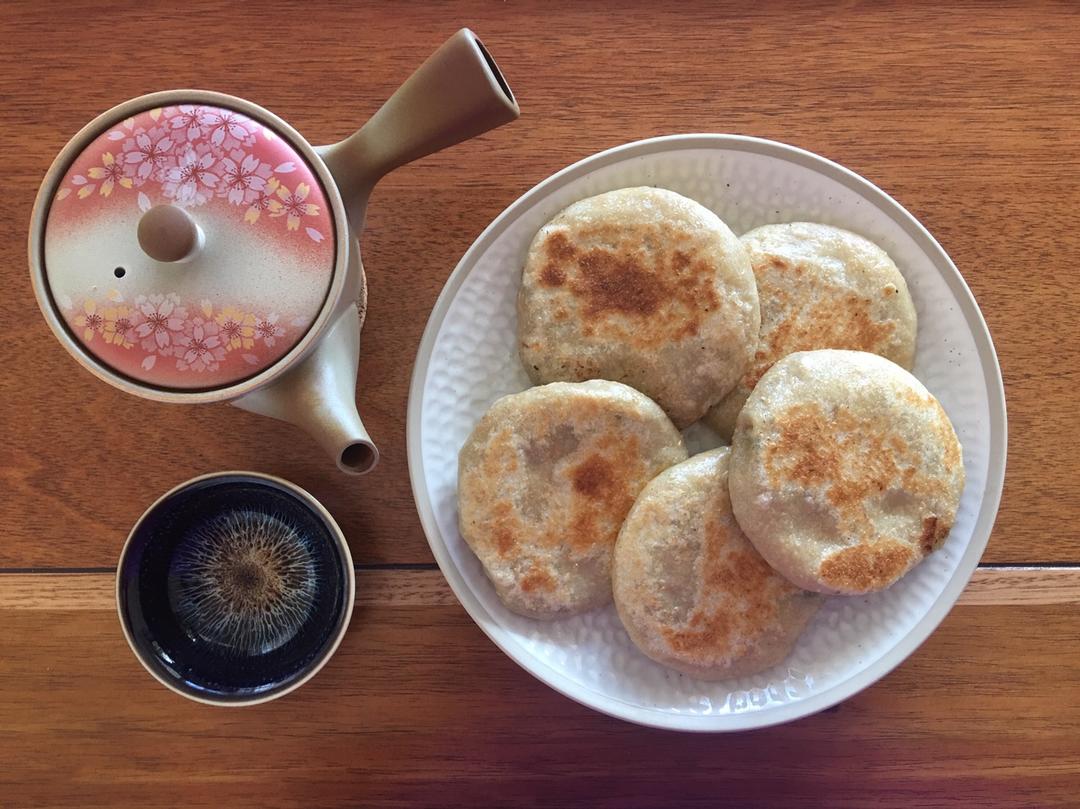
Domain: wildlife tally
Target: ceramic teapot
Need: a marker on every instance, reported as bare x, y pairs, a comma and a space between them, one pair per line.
189, 246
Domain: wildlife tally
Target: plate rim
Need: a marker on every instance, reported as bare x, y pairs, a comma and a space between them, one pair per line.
991, 495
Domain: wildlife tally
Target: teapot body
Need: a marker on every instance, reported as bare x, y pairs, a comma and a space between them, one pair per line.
85, 250
317, 393
197, 171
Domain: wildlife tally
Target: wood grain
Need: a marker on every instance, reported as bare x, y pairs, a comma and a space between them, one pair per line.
419, 708
967, 114
1020, 586
1013, 586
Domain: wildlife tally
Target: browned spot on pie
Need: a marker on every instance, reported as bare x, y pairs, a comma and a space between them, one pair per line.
801, 452
504, 527
552, 276
866, 567
616, 282
605, 485
680, 262
559, 248
504, 541
743, 577
854, 459
822, 315
501, 456
934, 532
593, 477
658, 277
914, 398
854, 462
559, 251
537, 579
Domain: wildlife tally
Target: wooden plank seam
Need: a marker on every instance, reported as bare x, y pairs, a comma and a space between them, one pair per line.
990, 586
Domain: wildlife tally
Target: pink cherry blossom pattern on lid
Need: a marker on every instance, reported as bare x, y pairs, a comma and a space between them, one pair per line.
212, 323
184, 343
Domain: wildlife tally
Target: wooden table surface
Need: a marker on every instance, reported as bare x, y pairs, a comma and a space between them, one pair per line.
968, 116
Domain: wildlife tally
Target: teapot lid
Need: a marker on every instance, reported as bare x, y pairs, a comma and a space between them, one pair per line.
189, 246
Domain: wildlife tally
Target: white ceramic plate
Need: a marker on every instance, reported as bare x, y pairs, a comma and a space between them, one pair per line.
468, 358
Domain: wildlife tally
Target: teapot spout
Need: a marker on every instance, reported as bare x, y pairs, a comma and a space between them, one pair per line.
457, 94
319, 396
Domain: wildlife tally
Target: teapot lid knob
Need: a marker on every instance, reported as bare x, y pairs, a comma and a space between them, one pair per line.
168, 233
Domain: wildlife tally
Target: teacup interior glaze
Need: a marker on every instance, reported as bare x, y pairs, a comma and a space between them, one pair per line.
233, 589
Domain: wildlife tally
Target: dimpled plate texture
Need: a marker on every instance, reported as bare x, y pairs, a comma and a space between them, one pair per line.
468, 358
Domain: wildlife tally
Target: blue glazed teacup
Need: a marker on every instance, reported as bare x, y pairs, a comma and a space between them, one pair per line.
235, 588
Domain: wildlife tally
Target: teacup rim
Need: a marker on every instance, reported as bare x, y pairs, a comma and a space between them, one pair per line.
350, 576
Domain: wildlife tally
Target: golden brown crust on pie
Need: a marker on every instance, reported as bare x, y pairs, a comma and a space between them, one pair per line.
846, 472
821, 287
691, 590
642, 286
544, 483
